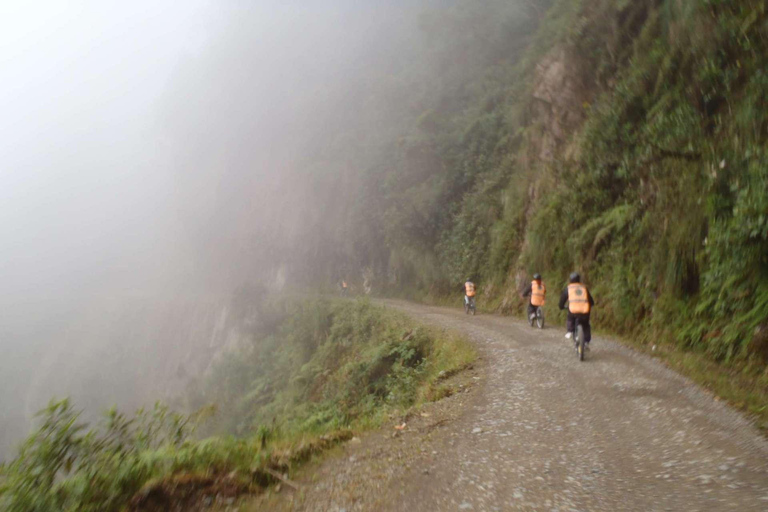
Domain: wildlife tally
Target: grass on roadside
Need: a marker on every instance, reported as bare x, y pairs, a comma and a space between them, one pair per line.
326, 369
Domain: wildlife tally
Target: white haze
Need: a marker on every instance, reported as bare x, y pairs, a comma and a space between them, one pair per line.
85, 177
144, 150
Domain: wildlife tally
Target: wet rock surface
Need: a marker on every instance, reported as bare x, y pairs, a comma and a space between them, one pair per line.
532, 428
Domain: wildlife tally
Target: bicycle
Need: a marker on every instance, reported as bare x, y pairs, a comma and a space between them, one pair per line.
538, 317
469, 305
578, 337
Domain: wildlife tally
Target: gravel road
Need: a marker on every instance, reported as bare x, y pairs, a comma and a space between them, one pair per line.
542, 431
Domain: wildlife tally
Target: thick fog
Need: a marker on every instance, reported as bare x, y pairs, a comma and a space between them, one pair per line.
154, 156
83, 164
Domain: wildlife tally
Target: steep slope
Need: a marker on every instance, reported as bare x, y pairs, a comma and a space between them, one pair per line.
302, 374
628, 142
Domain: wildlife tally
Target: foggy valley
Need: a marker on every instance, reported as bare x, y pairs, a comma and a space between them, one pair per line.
239, 236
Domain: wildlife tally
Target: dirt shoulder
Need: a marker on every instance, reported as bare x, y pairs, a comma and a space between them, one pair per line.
534, 429
361, 474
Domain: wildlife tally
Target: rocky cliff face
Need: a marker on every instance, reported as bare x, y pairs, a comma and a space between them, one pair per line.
560, 96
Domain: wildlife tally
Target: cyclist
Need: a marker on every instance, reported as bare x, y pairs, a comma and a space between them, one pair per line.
344, 288
580, 304
469, 292
537, 292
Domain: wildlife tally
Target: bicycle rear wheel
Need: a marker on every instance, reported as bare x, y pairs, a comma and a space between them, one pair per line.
540, 318
580, 341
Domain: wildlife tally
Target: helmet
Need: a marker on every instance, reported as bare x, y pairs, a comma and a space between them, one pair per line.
469, 279
537, 277
575, 277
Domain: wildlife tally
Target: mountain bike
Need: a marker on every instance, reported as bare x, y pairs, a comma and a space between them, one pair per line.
469, 305
537, 317
578, 338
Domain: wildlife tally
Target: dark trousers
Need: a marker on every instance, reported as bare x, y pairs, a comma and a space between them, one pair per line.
470, 301
570, 325
531, 309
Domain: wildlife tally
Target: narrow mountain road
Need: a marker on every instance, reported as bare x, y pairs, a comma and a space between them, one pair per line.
542, 431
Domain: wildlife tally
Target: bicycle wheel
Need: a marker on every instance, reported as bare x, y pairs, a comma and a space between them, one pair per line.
530, 319
580, 341
540, 318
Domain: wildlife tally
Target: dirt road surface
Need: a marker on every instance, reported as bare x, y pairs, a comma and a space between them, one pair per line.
532, 428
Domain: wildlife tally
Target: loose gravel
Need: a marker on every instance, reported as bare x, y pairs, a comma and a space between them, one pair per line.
532, 428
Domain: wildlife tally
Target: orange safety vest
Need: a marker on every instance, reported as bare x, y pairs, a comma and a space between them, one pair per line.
538, 292
578, 299
343, 284
470, 287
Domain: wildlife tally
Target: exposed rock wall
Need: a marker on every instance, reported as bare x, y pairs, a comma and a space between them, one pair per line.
560, 95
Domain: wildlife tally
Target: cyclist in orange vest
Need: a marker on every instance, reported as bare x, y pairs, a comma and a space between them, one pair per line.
469, 292
580, 304
344, 288
538, 293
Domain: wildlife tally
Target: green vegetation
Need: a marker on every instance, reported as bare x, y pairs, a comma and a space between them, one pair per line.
314, 371
626, 140
328, 365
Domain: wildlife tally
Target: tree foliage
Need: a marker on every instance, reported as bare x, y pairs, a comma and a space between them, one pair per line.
646, 170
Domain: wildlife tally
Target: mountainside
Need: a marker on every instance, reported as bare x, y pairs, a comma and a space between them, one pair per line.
491, 140
627, 141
